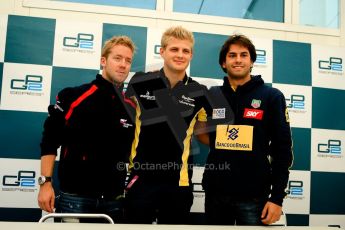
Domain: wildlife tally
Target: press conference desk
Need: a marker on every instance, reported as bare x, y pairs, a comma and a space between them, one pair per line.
71, 226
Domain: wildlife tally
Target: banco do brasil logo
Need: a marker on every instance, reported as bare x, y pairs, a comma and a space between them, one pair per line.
233, 134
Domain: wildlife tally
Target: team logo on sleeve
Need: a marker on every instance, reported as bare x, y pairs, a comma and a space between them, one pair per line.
148, 96
218, 113
125, 123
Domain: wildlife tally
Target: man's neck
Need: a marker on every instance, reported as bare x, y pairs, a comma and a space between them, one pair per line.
235, 82
174, 76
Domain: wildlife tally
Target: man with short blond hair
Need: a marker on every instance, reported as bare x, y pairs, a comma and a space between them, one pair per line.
92, 124
177, 32
169, 103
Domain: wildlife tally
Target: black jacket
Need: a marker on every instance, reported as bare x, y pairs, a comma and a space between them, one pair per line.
92, 124
251, 173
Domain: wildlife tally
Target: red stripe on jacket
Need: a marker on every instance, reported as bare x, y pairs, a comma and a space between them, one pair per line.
128, 101
79, 100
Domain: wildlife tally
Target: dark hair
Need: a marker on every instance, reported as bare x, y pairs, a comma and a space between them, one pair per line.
240, 40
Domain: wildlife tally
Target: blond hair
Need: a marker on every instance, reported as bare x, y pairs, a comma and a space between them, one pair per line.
117, 40
177, 32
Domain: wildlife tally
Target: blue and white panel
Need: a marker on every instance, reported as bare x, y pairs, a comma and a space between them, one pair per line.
206, 54
327, 220
208, 82
299, 103
327, 153
298, 189
199, 194
154, 60
3, 31
328, 67
77, 44
264, 57
19, 188
26, 87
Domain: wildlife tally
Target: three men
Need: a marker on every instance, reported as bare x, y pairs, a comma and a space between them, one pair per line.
249, 137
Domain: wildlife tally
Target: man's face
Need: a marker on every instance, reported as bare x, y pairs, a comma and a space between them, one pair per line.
117, 65
238, 62
177, 55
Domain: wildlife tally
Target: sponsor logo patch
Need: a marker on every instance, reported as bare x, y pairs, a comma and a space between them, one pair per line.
218, 113
253, 113
234, 137
187, 101
124, 123
148, 96
256, 103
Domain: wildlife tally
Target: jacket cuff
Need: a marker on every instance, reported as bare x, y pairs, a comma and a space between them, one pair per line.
276, 200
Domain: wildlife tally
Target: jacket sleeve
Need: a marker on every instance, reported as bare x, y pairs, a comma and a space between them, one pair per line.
280, 147
54, 124
206, 105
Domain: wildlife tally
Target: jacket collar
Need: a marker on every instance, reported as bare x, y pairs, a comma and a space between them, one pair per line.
101, 82
255, 80
184, 81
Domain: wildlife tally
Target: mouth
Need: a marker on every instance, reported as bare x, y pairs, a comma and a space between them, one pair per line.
179, 62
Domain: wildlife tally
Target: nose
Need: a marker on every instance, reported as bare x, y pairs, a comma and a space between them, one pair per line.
123, 63
180, 54
238, 59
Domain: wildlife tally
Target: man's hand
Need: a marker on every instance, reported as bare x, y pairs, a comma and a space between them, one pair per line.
46, 197
271, 213
200, 131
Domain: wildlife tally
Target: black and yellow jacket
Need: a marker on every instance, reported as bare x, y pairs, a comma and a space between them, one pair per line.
165, 119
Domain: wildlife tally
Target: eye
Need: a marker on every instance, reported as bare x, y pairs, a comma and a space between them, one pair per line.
128, 61
186, 51
117, 58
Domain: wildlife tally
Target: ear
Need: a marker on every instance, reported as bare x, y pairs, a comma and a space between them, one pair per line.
103, 61
161, 51
223, 65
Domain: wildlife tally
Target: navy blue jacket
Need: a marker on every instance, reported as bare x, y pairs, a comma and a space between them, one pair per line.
262, 172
